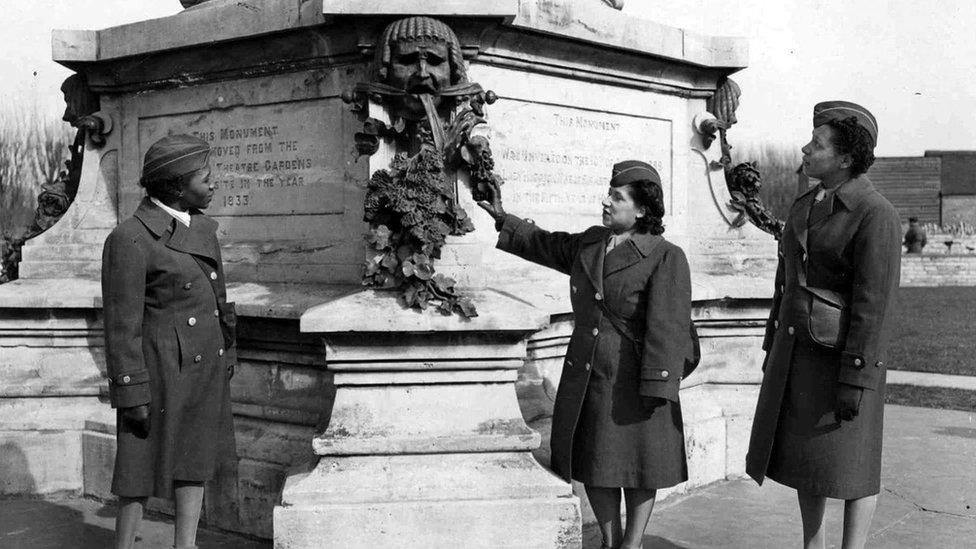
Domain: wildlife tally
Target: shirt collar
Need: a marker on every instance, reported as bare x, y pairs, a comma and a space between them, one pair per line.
182, 217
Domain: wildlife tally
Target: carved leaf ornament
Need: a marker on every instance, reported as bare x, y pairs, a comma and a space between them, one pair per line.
411, 207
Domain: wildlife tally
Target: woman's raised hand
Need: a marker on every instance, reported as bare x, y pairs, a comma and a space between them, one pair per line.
493, 202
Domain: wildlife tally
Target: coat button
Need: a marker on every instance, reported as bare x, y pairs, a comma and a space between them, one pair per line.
598, 297
878, 364
197, 358
191, 321
782, 288
596, 332
664, 373
776, 324
188, 285
790, 330
216, 312
213, 275
126, 379
587, 366
220, 352
858, 362
573, 289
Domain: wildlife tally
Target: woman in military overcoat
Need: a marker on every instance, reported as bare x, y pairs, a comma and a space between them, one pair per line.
170, 341
617, 417
818, 422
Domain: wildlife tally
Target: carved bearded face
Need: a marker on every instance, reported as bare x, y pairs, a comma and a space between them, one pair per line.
419, 67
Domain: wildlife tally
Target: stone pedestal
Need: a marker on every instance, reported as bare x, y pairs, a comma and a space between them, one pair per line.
426, 442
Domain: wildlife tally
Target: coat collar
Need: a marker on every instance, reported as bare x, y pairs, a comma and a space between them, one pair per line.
597, 263
197, 239
852, 192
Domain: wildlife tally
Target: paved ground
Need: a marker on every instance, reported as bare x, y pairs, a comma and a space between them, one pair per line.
928, 501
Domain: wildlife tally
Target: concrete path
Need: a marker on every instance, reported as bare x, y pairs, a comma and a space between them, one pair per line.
926, 379
928, 501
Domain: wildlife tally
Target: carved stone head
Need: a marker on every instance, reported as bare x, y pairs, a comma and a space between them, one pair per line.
78, 98
418, 55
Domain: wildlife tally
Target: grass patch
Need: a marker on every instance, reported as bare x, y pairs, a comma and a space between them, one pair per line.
944, 398
932, 330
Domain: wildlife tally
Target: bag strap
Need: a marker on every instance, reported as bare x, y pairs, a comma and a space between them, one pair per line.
691, 363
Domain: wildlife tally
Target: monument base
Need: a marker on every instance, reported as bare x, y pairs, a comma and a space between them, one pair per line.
425, 444
431, 500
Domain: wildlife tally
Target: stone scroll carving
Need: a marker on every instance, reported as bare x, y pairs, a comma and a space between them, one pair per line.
743, 180
81, 111
420, 79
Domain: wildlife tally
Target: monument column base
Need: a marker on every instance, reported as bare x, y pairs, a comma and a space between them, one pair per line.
426, 445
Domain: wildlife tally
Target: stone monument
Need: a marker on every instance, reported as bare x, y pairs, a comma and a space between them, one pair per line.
361, 422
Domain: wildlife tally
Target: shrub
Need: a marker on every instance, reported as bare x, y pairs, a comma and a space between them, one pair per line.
778, 164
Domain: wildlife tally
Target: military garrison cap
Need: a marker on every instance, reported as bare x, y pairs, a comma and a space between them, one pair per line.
839, 110
175, 155
629, 171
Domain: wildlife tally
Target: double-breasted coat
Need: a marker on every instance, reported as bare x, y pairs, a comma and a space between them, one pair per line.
796, 440
602, 435
170, 343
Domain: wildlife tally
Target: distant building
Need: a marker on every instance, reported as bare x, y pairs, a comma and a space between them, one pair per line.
939, 187
911, 184
958, 185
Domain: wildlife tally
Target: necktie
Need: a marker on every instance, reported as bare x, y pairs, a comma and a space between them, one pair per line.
822, 206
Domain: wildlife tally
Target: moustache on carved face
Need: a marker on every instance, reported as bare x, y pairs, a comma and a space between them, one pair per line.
423, 85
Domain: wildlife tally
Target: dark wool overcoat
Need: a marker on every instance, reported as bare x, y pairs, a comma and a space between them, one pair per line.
855, 250
601, 433
170, 343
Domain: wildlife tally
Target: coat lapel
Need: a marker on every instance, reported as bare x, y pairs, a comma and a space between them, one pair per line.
197, 239
848, 195
637, 247
801, 218
593, 248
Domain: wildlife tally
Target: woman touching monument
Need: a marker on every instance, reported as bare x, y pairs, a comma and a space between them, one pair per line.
617, 417
170, 341
818, 422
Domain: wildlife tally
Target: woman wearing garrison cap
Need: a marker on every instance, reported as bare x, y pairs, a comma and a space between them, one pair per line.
617, 417
170, 341
819, 416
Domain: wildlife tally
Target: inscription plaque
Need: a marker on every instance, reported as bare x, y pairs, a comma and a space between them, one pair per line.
283, 158
558, 159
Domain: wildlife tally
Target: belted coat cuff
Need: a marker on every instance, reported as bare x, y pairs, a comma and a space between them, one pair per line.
129, 389
858, 371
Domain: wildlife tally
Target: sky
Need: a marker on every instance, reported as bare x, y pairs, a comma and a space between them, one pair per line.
912, 64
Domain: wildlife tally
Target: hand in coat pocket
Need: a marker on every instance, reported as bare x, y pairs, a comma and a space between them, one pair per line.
848, 401
136, 419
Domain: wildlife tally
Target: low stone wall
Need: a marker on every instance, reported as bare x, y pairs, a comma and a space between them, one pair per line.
938, 270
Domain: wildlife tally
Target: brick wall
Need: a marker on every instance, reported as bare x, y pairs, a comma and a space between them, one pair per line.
938, 270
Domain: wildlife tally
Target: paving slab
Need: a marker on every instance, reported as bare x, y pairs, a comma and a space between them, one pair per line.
77, 523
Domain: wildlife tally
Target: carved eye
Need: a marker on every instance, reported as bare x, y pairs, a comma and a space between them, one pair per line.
408, 58
434, 59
